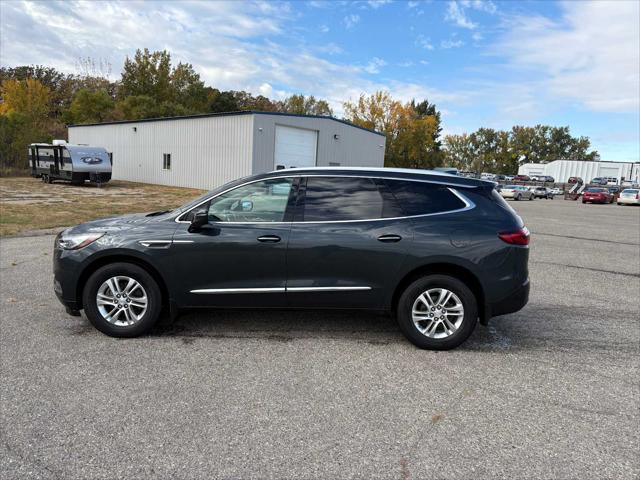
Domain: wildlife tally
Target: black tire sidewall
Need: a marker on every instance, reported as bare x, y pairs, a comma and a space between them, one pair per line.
418, 287
139, 274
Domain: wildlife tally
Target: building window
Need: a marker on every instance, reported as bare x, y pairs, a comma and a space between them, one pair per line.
166, 161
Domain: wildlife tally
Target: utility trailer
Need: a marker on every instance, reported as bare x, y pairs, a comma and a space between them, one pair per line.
73, 163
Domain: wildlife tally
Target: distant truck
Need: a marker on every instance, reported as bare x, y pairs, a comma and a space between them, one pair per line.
72, 163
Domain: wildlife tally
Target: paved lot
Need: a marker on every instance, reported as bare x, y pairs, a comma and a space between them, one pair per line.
549, 392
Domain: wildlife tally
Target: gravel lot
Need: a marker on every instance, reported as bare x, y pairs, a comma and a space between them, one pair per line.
549, 392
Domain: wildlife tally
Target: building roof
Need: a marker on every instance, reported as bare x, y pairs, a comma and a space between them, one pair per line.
226, 114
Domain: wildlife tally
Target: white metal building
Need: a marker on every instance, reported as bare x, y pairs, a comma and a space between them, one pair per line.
561, 170
205, 151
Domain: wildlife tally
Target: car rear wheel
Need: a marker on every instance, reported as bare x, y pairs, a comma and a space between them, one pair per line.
122, 300
437, 312
518, 197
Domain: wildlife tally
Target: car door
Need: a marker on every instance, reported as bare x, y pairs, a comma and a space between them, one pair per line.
238, 259
346, 243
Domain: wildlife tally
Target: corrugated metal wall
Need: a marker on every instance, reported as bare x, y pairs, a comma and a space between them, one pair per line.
205, 152
561, 170
209, 151
354, 147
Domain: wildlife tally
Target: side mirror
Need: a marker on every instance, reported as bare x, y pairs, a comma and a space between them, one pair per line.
200, 219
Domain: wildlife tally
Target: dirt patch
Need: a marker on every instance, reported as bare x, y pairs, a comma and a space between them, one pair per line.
27, 204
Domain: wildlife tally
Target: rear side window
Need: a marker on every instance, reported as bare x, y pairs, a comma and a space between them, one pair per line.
346, 198
421, 198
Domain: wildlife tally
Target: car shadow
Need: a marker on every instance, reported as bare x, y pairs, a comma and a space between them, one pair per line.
284, 325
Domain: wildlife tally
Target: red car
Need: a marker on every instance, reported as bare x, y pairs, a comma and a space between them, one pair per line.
522, 178
597, 195
574, 180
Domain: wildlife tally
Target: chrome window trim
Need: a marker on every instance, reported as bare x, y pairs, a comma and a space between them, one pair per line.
468, 203
277, 290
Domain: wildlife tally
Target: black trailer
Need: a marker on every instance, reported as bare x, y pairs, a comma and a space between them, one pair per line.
73, 163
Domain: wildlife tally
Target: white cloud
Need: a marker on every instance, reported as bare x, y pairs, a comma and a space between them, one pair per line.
324, 28
457, 11
375, 4
374, 65
412, 4
456, 14
590, 56
451, 43
351, 20
424, 42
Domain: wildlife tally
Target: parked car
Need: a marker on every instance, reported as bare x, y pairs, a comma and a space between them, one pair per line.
598, 181
543, 192
573, 180
557, 191
597, 195
611, 180
546, 179
500, 178
522, 178
516, 192
534, 178
488, 176
629, 196
508, 178
614, 190
408, 241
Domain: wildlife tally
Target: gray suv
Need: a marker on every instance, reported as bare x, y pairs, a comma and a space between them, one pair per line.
439, 251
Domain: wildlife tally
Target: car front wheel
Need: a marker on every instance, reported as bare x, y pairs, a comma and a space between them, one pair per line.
122, 300
437, 312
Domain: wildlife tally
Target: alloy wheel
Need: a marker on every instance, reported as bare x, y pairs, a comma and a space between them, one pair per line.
122, 301
437, 313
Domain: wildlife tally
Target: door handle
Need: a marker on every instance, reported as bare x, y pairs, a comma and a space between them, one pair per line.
269, 239
389, 238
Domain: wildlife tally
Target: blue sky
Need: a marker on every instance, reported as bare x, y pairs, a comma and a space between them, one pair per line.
484, 63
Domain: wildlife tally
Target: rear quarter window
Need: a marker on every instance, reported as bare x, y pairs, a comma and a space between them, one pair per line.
421, 198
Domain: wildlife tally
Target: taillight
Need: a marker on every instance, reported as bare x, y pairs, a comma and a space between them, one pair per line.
638, 196
519, 237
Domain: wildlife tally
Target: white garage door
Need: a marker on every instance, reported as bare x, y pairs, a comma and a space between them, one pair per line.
295, 147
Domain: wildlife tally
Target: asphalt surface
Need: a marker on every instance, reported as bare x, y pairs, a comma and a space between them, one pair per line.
549, 392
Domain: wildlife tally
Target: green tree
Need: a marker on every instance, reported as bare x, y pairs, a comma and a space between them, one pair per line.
90, 107
221, 101
149, 74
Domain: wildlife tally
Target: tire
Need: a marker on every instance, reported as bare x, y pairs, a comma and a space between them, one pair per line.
467, 321
518, 198
531, 198
618, 203
142, 320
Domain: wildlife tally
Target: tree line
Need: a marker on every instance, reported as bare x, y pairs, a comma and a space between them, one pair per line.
37, 102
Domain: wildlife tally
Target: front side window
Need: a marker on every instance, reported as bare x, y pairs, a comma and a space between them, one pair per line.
422, 198
345, 198
263, 201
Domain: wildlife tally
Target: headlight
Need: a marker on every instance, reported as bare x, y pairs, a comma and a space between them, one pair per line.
77, 241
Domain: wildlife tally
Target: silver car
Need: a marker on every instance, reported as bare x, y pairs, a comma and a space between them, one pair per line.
516, 192
629, 196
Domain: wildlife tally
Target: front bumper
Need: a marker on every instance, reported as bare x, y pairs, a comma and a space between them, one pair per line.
513, 302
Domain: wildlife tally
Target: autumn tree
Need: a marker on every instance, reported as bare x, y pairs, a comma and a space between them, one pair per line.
24, 112
412, 132
302, 105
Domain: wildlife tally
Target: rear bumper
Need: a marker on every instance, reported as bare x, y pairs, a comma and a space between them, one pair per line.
513, 302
